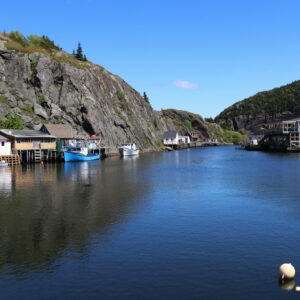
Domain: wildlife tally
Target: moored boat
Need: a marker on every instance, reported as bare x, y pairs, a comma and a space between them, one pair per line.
79, 154
128, 149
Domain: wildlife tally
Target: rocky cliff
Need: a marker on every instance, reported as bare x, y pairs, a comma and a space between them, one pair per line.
184, 121
251, 114
41, 85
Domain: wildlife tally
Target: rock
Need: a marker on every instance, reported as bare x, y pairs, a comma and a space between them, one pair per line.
40, 111
287, 271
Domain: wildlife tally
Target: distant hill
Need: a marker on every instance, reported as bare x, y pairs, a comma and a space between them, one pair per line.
253, 113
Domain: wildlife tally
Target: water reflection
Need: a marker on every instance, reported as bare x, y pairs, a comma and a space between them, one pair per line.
287, 285
5, 179
47, 211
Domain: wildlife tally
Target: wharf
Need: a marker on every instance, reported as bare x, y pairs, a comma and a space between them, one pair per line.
12, 159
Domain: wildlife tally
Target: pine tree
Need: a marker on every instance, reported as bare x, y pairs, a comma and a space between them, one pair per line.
79, 54
146, 97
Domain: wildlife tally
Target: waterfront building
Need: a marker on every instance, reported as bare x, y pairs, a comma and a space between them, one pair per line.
173, 138
283, 135
5, 146
31, 145
63, 132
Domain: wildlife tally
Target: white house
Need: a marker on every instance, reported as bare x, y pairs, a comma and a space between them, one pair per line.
173, 138
5, 146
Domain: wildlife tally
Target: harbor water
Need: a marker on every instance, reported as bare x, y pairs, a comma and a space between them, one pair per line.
206, 223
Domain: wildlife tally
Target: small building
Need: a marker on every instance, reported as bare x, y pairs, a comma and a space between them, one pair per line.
63, 132
31, 145
5, 146
194, 135
173, 138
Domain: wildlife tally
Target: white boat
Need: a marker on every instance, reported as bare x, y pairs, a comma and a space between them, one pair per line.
128, 149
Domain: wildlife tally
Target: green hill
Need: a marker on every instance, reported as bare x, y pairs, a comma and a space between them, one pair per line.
265, 107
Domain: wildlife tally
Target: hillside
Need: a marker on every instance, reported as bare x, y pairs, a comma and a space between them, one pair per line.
40, 83
252, 113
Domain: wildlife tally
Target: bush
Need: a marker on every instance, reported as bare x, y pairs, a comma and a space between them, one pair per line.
43, 42
11, 122
18, 37
188, 125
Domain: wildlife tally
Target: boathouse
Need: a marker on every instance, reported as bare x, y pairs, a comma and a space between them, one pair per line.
31, 145
63, 132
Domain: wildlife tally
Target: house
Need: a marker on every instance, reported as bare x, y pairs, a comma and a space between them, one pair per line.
29, 139
173, 138
31, 145
63, 132
5, 146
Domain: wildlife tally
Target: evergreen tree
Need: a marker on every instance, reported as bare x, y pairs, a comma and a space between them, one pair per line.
146, 97
79, 54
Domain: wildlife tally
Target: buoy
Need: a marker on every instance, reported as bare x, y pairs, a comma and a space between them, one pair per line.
287, 271
297, 288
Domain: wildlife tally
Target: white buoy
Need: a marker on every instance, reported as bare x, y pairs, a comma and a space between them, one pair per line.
297, 288
287, 271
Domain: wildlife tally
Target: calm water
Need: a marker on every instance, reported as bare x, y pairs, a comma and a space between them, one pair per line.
211, 223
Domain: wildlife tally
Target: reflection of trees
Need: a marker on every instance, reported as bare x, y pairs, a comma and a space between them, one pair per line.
53, 209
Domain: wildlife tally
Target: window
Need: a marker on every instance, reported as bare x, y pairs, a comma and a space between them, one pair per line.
2, 144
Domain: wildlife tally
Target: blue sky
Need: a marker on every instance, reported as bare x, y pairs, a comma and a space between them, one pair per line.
200, 56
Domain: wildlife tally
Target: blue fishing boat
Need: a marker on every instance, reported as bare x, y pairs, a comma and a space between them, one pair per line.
79, 154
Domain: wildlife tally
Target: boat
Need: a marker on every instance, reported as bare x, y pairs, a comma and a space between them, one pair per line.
79, 154
3, 163
128, 149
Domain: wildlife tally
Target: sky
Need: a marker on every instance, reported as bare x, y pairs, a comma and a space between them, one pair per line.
195, 55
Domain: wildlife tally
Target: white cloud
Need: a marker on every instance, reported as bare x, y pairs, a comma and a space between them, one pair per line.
183, 84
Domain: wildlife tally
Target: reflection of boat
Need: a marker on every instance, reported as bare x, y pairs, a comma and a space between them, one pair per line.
3, 163
128, 149
79, 154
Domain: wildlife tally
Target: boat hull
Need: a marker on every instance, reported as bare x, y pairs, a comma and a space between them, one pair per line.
70, 156
129, 152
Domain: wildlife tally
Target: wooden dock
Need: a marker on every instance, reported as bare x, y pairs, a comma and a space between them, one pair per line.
12, 159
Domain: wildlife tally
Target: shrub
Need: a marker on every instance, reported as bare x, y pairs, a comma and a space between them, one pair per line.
188, 125
11, 122
42, 100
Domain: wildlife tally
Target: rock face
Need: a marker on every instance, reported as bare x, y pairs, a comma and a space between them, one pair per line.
184, 121
251, 115
53, 87
40, 89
